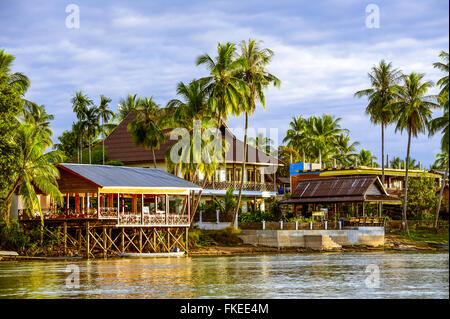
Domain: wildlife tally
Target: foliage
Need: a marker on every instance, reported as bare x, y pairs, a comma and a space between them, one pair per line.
114, 163
13, 237
422, 197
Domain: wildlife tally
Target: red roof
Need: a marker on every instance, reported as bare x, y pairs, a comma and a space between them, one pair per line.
120, 147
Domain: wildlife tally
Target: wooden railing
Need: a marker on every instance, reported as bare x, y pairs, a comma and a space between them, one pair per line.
110, 213
247, 186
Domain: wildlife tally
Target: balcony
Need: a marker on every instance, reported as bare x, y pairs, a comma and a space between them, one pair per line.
247, 186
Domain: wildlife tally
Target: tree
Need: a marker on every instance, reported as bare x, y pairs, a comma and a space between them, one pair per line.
257, 78
91, 124
412, 113
323, 134
345, 150
422, 196
80, 105
11, 105
441, 124
145, 128
128, 105
262, 142
365, 158
297, 136
383, 79
18, 81
105, 115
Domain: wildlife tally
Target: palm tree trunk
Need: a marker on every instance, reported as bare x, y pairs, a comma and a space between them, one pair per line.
382, 153
103, 146
243, 168
89, 141
154, 158
405, 200
438, 208
197, 200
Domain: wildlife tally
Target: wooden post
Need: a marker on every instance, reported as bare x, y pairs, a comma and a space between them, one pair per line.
98, 205
186, 244
105, 242
87, 203
142, 209
87, 241
140, 240
168, 240
154, 239
65, 238
122, 241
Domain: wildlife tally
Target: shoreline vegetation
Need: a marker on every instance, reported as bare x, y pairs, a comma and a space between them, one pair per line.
226, 242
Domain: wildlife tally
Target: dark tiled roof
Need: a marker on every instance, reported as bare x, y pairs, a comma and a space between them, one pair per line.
339, 189
106, 175
120, 147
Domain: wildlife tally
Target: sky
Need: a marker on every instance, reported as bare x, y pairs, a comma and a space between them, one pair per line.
323, 52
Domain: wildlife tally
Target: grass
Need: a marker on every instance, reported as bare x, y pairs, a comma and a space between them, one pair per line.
423, 235
205, 238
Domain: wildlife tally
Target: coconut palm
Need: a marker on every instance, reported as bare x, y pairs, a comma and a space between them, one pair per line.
37, 115
17, 80
80, 105
257, 78
323, 133
443, 82
383, 79
344, 149
128, 105
36, 169
92, 126
412, 113
145, 128
365, 158
105, 115
297, 136
262, 142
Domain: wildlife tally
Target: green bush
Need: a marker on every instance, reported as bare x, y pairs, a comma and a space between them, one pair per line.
14, 238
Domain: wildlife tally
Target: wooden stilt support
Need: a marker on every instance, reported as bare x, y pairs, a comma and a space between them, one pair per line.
105, 242
140, 239
186, 244
168, 240
88, 248
65, 238
122, 241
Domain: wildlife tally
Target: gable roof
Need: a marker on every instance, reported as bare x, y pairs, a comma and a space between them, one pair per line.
125, 176
120, 146
340, 189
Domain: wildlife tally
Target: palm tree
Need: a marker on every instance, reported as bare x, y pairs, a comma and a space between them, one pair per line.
91, 125
128, 105
442, 124
345, 150
80, 105
297, 135
35, 168
257, 78
324, 131
443, 82
383, 78
262, 142
105, 115
365, 158
145, 128
412, 113
396, 162
16, 80
37, 115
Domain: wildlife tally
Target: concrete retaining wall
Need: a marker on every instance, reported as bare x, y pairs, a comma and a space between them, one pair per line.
369, 236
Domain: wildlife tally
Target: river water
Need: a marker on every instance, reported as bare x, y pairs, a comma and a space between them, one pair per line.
316, 275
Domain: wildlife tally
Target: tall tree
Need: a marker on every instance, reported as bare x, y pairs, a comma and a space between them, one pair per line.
105, 115
297, 136
145, 128
345, 149
257, 78
365, 158
91, 125
128, 105
324, 131
383, 79
80, 105
413, 111
16, 80
442, 124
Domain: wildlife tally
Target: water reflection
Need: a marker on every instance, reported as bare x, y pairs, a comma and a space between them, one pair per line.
402, 275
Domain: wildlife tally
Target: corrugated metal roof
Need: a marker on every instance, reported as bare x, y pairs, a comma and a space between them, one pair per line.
111, 176
335, 186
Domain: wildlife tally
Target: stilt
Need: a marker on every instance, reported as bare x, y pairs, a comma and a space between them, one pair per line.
105, 242
122, 241
168, 240
186, 244
65, 238
88, 249
140, 240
